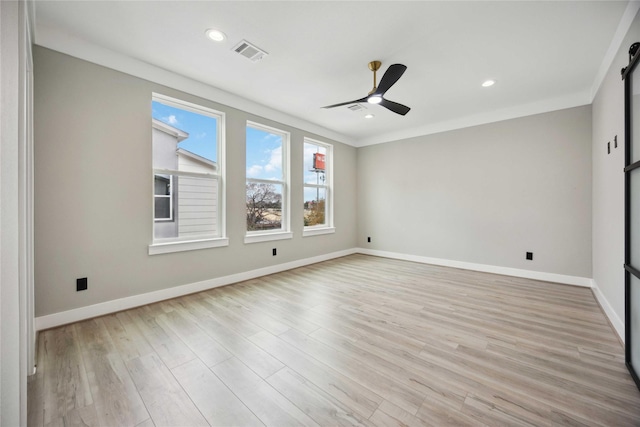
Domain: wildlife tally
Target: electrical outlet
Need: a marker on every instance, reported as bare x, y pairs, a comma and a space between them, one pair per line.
530, 256
274, 252
368, 239
81, 284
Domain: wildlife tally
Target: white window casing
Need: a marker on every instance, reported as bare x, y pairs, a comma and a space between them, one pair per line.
325, 186
197, 184
284, 232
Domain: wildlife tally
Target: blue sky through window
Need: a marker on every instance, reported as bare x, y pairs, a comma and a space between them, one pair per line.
264, 154
202, 130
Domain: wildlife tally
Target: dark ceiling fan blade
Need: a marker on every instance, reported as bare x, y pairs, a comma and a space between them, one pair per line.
391, 76
395, 107
347, 103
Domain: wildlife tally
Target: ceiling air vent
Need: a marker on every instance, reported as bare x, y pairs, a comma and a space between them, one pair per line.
356, 107
250, 51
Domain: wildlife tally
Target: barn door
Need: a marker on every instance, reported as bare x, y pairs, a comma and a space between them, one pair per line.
632, 213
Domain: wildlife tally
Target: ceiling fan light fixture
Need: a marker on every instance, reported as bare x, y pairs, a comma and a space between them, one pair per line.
215, 35
375, 96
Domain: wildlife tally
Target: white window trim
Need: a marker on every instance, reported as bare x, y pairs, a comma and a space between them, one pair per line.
159, 247
163, 246
315, 230
256, 237
328, 226
284, 232
169, 196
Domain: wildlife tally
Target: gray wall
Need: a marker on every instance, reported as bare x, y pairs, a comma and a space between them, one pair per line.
485, 194
93, 191
608, 180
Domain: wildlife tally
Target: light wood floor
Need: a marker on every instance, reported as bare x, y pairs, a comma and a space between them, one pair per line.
353, 341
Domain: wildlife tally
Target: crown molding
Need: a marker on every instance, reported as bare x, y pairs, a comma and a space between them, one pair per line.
54, 39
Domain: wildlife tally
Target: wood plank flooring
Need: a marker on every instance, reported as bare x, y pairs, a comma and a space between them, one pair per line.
358, 340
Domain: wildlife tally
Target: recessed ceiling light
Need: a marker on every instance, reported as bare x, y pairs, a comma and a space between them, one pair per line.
369, 116
488, 83
215, 35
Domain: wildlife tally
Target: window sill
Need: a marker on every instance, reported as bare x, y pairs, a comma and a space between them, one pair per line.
188, 245
267, 237
312, 231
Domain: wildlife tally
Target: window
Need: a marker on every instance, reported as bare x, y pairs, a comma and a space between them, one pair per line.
267, 187
318, 199
162, 198
187, 143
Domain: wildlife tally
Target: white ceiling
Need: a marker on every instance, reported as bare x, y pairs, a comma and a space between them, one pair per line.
543, 55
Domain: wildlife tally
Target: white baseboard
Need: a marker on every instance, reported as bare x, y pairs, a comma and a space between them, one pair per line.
618, 324
506, 271
614, 319
82, 313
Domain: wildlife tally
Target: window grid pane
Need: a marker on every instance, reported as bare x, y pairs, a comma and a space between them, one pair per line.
317, 185
264, 206
266, 179
162, 208
314, 164
196, 208
315, 206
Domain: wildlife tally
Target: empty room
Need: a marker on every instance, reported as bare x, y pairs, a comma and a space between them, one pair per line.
319, 213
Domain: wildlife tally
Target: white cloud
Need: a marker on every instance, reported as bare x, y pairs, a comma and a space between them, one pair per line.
171, 120
270, 137
254, 170
275, 162
309, 150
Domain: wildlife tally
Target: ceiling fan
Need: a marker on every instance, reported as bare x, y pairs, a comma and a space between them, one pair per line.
376, 95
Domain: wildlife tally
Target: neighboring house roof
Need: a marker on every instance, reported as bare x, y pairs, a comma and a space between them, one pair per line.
180, 135
194, 156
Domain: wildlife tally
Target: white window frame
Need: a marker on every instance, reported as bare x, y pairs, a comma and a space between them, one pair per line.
285, 230
327, 227
178, 244
169, 196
